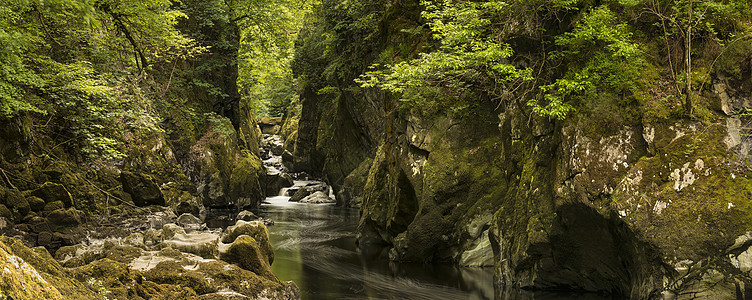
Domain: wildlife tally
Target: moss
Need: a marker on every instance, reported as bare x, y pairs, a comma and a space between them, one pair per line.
40, 276
246, 252
686, 202
246, 179
52, 192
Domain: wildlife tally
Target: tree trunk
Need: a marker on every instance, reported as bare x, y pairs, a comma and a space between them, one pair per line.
688, 64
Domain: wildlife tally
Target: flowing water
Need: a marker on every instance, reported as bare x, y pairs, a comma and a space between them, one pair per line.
314, 246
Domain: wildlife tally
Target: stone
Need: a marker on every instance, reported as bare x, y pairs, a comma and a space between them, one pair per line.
52, 206
255, 229
247, 216
189, 221
277, 181
479, 256
16, 202
170, 230
186, 208
34, 274
202, 244
5, 212
299, 195
64, 218
44, 238
51, 192
246, 252
318, 198
36, 203
142, 189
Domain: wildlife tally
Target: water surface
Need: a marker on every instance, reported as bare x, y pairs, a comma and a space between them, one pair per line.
314, 246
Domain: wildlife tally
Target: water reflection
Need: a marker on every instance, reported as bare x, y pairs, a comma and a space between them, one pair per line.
314, 246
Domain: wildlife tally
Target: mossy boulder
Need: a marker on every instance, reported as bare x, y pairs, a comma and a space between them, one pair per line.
63, 218
34, 274
255, 229
16, 202
245, 181
35, 203
52, 206
51, 192
142, 189
246, 252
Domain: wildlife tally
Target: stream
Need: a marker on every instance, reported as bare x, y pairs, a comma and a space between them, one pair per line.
314, 246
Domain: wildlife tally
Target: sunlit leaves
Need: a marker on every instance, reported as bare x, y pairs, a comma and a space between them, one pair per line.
470, 50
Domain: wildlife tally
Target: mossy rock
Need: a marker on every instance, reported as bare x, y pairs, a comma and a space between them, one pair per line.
52, 192
36, 203
34, 274
63, 218
52, 206
16, 202
245, 188
246, 252
255, 229
6, 213
142, 189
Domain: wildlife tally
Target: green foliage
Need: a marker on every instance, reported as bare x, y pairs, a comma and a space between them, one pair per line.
469, 53
601, 58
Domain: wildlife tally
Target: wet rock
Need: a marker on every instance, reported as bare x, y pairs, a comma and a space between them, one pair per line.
51, 192
201, 244
189, 222
299, 195
246, 252
36, 203
317, 198
287, 157
479, 256
277, 181
255, 229
247, 216
64, 218
142, 189
170, 230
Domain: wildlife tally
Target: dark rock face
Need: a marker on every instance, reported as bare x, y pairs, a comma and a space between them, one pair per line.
51, 192
142, 189
275, 182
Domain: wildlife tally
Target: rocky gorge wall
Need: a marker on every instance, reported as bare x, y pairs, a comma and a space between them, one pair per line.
654, 207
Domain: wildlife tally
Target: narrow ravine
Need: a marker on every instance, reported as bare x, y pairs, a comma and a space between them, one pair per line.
314, 246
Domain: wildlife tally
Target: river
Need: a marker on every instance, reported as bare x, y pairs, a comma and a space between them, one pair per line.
314, 246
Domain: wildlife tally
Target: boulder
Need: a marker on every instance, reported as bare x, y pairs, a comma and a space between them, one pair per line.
247, 216
246, 253
5, 213
277, 181
51, 192
186, 208
317, 198
299, 195
189, 222
16, 202
202, 244
62, 218
142, 189
35, 203
52, 206
255, 229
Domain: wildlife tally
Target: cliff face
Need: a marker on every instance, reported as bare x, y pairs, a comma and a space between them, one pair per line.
648, 207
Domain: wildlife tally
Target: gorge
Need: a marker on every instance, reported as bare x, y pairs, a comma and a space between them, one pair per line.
363, 149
